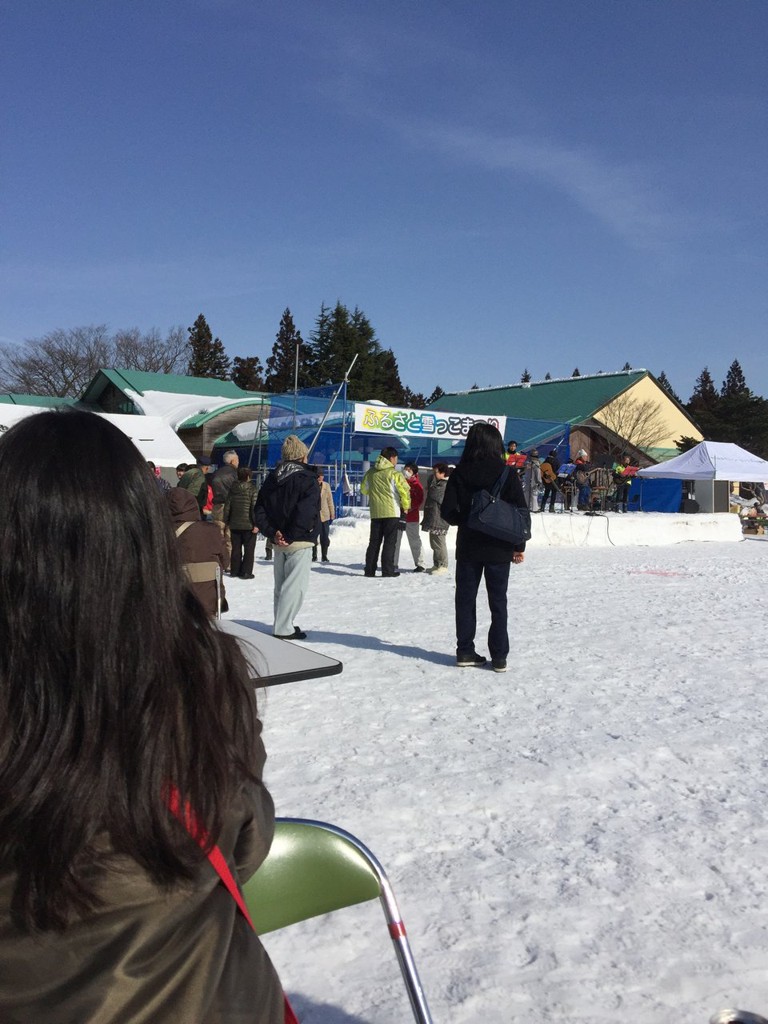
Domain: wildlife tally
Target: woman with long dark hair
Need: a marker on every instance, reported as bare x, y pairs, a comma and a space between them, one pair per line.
478, 554
119, 700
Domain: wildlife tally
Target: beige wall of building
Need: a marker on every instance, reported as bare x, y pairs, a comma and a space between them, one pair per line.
678, 425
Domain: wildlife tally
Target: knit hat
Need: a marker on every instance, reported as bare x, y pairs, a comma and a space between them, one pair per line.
294, 449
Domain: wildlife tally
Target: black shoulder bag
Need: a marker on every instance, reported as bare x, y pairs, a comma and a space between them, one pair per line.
490, 514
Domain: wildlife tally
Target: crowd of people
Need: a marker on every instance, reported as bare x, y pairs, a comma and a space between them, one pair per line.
294, 518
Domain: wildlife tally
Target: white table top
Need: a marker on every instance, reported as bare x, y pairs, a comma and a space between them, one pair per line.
278, 661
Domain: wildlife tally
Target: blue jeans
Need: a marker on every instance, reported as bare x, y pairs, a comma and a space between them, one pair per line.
468, 576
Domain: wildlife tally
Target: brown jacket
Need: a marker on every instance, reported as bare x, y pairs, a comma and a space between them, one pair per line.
148, 955
200, 542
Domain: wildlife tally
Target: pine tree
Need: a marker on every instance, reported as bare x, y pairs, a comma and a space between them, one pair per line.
248, 373
626, 367
338, 337
547, 375
703, 406
734, 415
390, 388
734, 383
207, 357
280, 374
664, 382
685, 443
526, 377
413, 399
742, 416
704, 392
576, 372
436, 395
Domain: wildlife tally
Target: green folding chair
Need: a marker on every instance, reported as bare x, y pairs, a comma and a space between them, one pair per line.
314, 868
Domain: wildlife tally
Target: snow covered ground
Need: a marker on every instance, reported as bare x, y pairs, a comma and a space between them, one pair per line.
583, 839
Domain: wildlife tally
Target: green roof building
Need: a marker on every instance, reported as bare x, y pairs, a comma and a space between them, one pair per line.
607, 412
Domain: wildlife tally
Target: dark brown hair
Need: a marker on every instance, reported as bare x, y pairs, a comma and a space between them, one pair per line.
113, 682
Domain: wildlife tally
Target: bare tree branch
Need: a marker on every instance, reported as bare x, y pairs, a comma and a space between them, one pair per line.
150, 352
64, 362
640, 423
61, 363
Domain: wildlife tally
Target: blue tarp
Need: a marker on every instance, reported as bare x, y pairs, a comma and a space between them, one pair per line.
655, 495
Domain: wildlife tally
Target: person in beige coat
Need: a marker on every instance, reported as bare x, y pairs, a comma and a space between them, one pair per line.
327, 515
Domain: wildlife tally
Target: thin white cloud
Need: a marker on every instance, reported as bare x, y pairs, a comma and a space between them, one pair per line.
358, 70
624, 198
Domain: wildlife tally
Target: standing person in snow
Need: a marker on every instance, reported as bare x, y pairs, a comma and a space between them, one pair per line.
433, 523
287, 511
162, 484
327, 515
478, 554
221, 484
532, 480
515, 459
198, 542
238, 517
581, 480
388, 493
109, 908
549, 470
411, 474
195, 481
622, 478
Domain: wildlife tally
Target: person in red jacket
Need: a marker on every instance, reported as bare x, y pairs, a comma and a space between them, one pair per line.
409, 521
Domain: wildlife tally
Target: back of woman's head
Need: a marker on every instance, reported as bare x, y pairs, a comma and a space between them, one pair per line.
112, 679
483, 442
83, 528
244, 474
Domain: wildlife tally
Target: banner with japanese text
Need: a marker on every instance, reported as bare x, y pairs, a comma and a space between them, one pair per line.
449, 426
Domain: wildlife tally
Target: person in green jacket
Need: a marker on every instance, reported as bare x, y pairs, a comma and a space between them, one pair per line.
389, 497
238, 516
195, 482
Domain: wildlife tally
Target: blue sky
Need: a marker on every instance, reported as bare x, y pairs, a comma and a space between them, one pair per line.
498, 185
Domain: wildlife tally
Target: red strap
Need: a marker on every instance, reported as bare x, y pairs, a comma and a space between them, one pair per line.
220, 866
189, 820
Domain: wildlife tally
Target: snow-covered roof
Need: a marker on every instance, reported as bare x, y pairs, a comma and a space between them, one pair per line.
154, 438
174, 409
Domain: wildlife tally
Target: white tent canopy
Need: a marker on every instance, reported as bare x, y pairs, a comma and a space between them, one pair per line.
153, 437
711, 460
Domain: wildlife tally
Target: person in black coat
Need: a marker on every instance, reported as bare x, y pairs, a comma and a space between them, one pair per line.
549, 479
221, 484
478, 554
